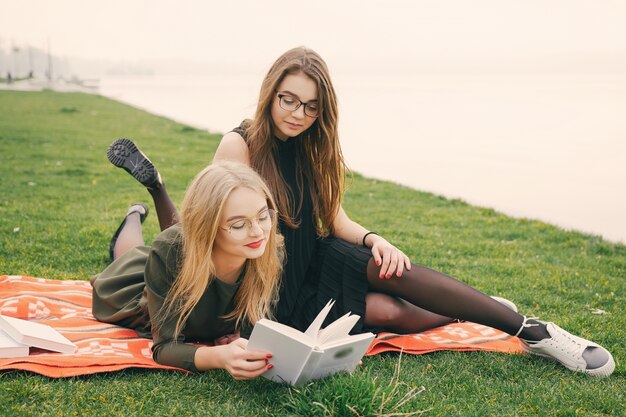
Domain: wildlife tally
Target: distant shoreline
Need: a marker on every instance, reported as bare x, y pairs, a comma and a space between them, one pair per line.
59, 85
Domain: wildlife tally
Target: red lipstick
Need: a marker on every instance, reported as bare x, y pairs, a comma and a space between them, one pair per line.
255, 245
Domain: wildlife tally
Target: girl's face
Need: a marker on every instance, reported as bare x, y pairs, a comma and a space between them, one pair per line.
245, 225
298, 87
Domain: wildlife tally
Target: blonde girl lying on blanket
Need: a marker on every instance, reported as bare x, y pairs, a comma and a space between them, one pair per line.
201, 279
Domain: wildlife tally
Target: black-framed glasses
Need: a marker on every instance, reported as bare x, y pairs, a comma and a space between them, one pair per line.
290, 103
240, 229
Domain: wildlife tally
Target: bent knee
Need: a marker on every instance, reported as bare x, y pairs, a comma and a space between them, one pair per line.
382, 310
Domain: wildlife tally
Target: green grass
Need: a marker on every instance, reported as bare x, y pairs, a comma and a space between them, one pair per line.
58, 188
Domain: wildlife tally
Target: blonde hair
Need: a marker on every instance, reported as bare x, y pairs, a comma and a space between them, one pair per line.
200, 218
319, 156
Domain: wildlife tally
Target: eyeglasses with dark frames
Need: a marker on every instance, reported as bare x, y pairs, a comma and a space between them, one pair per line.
290, 103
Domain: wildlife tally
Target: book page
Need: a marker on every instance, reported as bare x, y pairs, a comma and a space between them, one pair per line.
314, 327
288, 331
338, 329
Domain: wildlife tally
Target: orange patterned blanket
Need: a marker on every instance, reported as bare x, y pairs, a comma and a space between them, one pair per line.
66, 306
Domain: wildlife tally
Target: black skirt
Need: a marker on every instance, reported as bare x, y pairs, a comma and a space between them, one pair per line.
338, 271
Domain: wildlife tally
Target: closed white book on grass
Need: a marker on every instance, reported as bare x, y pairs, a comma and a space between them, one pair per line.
9, 348
299, 357
36, 334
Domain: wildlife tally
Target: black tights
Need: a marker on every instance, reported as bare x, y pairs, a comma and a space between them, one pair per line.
165, 208
423, 298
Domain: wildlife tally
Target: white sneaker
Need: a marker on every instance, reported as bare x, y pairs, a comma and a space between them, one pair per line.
568, 349
507, 303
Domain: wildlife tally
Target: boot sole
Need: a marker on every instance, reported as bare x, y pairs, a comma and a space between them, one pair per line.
123, 153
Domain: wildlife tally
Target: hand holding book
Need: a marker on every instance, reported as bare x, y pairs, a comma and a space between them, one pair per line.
299, 357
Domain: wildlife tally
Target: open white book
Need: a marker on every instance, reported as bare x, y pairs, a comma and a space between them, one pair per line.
300, 357
36, 334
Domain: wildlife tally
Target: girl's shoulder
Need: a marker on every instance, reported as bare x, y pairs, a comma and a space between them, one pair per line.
242, 129
233, 147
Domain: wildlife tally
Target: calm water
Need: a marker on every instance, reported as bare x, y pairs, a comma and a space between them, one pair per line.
546, 147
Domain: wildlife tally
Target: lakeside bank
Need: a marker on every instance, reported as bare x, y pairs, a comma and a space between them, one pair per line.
547, 147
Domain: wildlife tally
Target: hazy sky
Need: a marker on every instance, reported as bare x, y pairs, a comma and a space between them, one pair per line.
391, 35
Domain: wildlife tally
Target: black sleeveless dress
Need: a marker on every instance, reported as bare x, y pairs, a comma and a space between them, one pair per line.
317, 269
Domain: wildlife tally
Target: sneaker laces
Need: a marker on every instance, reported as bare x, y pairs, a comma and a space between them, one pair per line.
526, 325
572, 343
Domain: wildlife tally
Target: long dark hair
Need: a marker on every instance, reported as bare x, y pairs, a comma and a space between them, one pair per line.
319, 156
